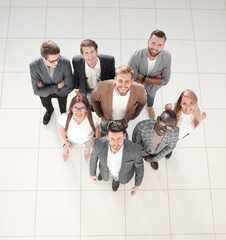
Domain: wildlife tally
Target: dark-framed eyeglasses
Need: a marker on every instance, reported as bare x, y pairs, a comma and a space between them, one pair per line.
76, 109
54, 61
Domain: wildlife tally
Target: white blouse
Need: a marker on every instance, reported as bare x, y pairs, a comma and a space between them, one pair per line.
185, 125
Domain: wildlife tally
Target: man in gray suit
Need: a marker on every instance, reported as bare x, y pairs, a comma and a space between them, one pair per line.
118, 157
157, 137
51, 77
152, 67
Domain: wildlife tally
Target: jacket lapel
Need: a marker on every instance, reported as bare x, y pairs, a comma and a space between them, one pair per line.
125, 155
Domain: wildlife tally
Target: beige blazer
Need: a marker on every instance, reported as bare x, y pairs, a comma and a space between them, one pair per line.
102, 95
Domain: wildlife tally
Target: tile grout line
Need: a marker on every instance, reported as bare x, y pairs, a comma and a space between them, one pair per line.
204, 129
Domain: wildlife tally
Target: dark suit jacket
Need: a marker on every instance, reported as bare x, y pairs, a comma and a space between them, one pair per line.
102, 96
62, 72
132, 161
107, 68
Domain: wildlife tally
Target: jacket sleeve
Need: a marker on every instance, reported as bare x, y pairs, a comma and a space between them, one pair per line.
95, 98
76, 79
93, 160
112, 68
166, 72
170, 146
35, 78
139, 168
141, 103
134, 63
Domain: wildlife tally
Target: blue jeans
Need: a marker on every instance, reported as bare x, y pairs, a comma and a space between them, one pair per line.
150, 99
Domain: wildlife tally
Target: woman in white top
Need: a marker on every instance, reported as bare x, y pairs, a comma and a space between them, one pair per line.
188, 113
79, 125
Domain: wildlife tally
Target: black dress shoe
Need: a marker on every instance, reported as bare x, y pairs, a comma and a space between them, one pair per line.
46, 118
100, 177
115, 185
154, 165
168, 155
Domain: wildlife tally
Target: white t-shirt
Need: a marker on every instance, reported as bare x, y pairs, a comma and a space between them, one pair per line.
185, 125
119, 104
114, 162
151, 65
92, 74
79, 133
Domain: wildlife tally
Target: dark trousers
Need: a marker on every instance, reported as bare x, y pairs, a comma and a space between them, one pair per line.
47, 103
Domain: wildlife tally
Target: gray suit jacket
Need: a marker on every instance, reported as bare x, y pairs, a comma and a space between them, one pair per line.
139, 63
142, 134
62, 72
132, 161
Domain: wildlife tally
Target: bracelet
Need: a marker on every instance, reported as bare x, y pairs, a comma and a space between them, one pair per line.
143, 78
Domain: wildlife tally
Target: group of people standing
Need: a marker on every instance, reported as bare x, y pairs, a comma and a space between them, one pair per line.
107, 99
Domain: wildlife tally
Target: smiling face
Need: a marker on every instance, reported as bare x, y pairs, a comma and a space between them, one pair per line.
164, 124
187, 105
123, 83
79, 111
90, 56
155, 45
116, 140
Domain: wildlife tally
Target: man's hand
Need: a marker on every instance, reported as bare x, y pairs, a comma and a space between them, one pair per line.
134, 191
148, 158
68, 144
94, 178
40, 84
61, 84
139, 77
159, 76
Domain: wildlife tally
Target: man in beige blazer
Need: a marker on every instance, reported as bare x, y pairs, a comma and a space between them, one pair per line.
118, 99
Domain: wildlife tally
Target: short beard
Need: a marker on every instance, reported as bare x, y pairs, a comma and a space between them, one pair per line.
153, 55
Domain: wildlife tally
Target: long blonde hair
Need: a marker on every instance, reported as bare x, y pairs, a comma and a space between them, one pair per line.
80, 98
196, 117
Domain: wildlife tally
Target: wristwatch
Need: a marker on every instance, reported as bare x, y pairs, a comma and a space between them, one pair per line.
143, 78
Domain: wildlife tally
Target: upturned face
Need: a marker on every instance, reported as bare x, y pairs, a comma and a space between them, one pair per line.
187, 105
90, 56
79, 111
155, 45
164, 124
116, 140
123, 83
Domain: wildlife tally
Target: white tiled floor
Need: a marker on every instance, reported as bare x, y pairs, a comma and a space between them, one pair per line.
44, 198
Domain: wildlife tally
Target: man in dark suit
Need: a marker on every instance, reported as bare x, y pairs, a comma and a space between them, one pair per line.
118, 157
51, 77
91, 67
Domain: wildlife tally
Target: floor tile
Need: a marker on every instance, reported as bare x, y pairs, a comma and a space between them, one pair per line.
93, 27
188, 169
17, 238
208, 4
129, 22
193, 237
219, 210
152, 179
207, 50
217, 166
179, 20
65, 175
4, 19
1, 76
14, 62
2, 53
172, 4
150, 208
155, 237
103, 238
101, 3
215, 132
50, 136
58, 213
57, 238
28, 3
180, 49
137, 4
17, 216
190, 212
30, 20
220, 236
5, 3
108, 208
12, 82
206, 86
207, 24
70, 17
18, 170
27, 125
65, 3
